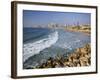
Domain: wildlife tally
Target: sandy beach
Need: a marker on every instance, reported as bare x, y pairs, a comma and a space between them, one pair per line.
86, 32
84, 29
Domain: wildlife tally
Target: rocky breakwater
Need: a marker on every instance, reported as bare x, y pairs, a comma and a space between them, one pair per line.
80, 57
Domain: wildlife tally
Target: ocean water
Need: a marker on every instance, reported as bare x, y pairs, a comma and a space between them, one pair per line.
41, 43
37, 39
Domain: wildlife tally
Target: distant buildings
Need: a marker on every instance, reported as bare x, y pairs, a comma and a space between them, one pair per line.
62, 26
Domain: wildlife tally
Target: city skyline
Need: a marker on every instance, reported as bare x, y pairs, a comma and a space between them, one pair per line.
31, 18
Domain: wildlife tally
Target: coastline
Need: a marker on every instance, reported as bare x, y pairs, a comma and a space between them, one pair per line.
65, 38
88, 33
80, 57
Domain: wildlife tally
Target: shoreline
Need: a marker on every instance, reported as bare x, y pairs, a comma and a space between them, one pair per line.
88, 33
80, 57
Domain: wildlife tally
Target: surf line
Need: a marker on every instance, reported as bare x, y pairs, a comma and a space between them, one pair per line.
32, 48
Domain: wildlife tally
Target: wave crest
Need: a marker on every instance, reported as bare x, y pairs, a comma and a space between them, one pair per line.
35, 47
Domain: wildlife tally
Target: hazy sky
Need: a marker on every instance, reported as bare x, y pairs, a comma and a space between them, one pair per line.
31, 18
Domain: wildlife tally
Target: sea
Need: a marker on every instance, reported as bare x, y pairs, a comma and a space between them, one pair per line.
39, 44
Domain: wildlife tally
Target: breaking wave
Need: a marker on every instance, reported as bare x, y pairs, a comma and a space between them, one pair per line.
35, 47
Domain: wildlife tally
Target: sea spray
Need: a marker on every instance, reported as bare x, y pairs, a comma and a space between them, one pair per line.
32, 48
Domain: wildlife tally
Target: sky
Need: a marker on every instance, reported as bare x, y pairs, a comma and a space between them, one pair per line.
31, 18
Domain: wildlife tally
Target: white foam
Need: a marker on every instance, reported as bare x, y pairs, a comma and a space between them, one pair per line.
35, 47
